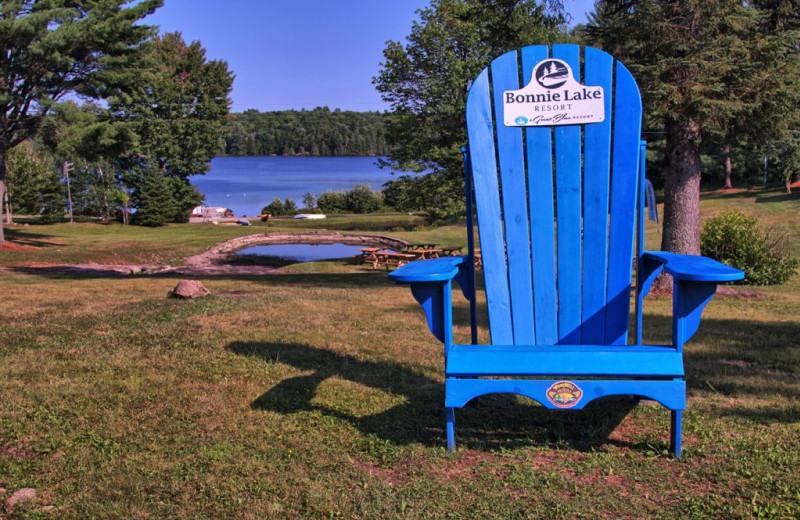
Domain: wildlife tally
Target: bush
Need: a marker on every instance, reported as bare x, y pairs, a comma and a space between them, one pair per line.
439, 195
361, 199
278, 208
332, 202
735, 239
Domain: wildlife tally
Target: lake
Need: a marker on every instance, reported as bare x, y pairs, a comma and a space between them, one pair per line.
247, 184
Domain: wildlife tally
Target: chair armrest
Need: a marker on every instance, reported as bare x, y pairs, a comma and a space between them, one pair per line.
430, 285
435, 270
690, 268
695, 280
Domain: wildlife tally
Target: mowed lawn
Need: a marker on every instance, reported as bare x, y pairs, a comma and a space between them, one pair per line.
318, 394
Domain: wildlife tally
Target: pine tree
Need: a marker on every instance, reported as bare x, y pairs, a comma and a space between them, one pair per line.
53, 47
178, 108
153, 198
709, 72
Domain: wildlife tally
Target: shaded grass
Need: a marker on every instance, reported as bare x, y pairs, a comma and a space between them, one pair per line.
319, 394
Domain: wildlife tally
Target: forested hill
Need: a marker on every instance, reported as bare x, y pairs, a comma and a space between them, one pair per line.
320, 132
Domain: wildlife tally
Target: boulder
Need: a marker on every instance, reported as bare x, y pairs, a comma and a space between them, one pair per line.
189, 289
23, 495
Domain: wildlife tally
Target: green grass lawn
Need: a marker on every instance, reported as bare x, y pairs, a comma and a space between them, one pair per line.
318, 394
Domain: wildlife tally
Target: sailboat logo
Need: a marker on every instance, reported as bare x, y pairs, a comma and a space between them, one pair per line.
551, 74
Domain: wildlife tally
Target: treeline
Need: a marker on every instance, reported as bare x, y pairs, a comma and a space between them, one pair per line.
318, 132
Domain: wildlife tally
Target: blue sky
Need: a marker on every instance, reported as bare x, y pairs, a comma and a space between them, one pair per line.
294, 54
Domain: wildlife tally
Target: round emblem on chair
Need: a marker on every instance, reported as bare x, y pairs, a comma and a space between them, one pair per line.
564, 394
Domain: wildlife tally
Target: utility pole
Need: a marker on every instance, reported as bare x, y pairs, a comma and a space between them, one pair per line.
66, 166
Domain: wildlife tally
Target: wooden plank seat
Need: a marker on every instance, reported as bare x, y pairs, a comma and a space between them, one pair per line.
543, 360
559, 204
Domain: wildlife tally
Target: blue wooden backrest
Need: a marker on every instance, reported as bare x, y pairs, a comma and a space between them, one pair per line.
557, 205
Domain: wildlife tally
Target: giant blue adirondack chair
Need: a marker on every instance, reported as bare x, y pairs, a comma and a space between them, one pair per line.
558, 208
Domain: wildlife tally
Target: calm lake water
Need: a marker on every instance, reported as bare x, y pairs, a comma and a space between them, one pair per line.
304, 252
247, 184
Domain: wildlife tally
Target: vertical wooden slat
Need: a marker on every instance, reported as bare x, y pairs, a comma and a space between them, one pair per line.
568, 214
487, 203
640, 237
505, 76
538, 143
597, 160
627, 129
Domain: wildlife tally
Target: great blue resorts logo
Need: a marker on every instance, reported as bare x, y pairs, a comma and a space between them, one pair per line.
551, 74
564, 394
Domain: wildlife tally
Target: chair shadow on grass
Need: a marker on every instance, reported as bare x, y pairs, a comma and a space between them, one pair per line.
487, 423
753, 360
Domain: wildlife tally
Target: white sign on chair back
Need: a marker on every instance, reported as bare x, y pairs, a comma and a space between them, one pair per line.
553, 97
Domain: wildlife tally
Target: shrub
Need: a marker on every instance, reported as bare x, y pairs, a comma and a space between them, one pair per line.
332, 202
278, 208
735, 239
361, 199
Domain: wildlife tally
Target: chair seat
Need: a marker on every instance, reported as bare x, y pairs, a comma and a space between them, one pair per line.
564, 360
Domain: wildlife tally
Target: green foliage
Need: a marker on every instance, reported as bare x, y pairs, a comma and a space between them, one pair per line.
280, 208
93, 141
426, 81
178, 106
54, 47
153, 197
31, 177
309, 200
318, 132
715, 76
289, 206
737, 240
332, 202
361, 199
437, 194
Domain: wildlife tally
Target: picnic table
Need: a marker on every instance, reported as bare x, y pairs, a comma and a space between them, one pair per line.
413, 247
451, 250
367, 255
388, 259
424, 254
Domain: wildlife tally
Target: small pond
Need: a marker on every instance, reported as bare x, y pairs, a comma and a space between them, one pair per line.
304, 252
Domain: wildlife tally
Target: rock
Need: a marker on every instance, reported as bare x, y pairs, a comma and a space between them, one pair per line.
189, 289
23, 495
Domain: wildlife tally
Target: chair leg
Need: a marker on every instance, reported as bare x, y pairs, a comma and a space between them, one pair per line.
450, 415
676, 432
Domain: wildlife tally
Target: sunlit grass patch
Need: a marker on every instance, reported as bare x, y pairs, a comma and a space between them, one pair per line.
318, 393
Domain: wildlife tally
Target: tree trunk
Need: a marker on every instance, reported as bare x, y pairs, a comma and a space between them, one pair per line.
728, 182
682, 189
